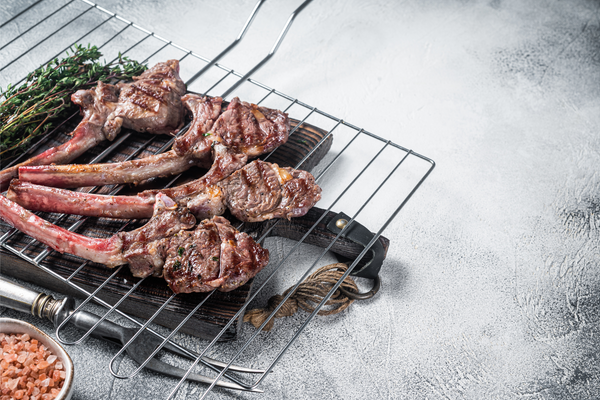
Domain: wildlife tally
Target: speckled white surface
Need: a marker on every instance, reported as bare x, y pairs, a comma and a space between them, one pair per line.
491, 288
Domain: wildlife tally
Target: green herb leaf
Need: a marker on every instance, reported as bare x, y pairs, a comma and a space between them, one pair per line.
32, 108
176, 266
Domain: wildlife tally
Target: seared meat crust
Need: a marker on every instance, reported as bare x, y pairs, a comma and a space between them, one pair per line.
214, 256
151, 103
262, 191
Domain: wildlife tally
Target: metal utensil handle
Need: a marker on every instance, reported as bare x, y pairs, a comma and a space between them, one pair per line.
21, 299
32, 302
41, 305
105, 330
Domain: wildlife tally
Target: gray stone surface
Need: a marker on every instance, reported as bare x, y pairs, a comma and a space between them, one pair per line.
491, 286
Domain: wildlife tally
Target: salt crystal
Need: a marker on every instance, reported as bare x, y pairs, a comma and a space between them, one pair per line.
26, 360
12, 383
43, 364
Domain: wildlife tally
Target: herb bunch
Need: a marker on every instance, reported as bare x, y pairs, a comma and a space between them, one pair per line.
32, 109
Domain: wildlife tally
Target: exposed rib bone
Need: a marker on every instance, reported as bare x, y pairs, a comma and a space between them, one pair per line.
245, 129
105, 251
212, 256
257, 192
103, 105
72, 176
45, 198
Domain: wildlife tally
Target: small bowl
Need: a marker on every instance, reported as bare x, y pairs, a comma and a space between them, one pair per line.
10, 325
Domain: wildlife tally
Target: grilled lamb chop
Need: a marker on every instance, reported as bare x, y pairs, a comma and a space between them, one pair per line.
149, 104
257, 192
263, 191
212, 256
244, 129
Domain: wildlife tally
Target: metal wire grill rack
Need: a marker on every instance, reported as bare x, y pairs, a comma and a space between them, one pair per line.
359, 172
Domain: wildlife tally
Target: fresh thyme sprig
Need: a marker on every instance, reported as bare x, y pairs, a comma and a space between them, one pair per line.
32, 109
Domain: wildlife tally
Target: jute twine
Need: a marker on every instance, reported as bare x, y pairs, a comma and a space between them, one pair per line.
308, 295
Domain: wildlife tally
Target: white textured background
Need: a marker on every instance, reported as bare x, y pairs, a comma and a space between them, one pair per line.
491, 288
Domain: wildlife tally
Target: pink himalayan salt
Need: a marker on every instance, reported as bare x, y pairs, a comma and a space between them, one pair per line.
29, 370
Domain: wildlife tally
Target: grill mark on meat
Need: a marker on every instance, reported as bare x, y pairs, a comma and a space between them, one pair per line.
257, 192
197, 141
192, 258
152, 91
264, 129
262, 191
252, 190
152, 102
228, 142
215, 255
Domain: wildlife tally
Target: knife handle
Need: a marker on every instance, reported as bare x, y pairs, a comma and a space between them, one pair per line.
105, 330
32, 302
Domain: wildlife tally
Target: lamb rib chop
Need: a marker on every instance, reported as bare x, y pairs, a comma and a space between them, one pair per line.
257, 192
149, 104
244, 129
212, 256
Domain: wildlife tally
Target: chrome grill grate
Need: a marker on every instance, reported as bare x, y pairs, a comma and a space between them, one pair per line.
358, 174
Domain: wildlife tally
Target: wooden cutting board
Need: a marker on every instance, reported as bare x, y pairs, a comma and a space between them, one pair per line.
219, 307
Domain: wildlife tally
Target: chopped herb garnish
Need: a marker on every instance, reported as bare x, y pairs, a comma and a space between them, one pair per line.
176, 265
207, 134
215, 258
180, 251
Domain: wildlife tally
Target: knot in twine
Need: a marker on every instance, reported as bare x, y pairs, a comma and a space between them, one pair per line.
308, 295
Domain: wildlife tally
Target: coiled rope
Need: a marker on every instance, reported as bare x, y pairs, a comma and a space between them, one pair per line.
308, 295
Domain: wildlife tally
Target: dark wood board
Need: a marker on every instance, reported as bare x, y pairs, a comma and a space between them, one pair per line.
219, 307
